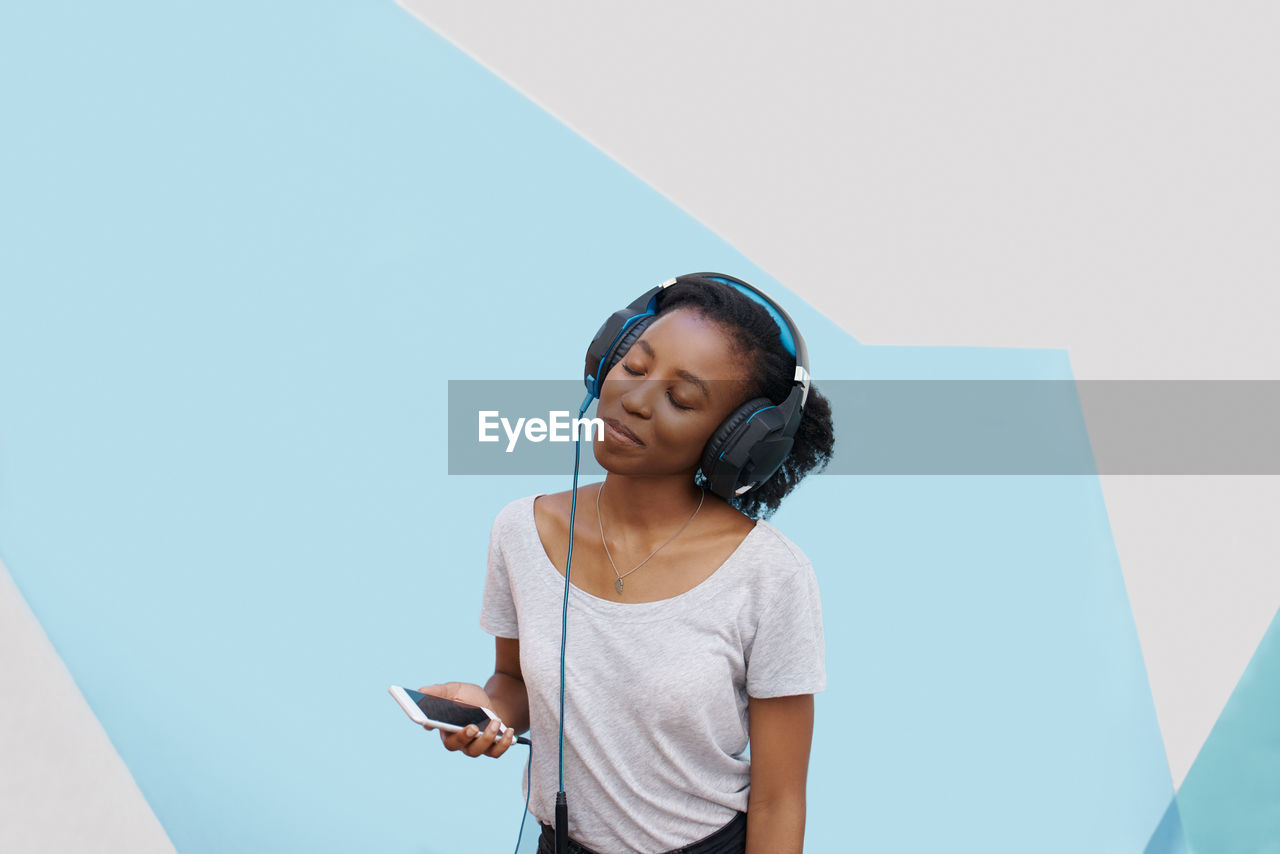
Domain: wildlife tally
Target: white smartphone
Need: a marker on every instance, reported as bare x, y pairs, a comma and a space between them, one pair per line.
449, 715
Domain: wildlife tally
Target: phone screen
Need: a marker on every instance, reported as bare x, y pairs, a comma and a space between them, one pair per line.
448, 711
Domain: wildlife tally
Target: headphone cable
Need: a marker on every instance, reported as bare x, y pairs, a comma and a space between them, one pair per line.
562, 800
528, 790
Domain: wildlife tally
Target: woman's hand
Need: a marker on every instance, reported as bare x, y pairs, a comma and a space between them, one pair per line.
472, 740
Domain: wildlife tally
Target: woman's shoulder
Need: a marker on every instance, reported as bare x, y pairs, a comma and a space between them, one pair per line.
546, 514
780, 578
556, 503
514, 515
775, 555
550, 510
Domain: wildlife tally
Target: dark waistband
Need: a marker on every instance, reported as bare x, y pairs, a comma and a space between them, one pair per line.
730, 839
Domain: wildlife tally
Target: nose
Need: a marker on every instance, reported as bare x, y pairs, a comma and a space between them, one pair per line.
635, 398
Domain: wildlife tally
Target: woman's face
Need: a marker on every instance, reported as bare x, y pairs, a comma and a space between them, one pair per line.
666, 397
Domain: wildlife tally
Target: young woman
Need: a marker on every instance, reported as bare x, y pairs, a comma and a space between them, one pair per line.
694, 626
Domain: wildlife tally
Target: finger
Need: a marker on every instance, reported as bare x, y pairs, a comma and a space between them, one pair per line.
500, 746
483, 741
459, 740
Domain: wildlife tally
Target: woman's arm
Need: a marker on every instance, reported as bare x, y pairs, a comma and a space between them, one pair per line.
506, 686
781, 735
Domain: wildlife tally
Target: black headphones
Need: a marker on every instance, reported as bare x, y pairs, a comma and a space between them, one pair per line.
750, 445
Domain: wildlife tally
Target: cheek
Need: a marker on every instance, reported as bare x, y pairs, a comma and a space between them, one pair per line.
608, 388
688, 436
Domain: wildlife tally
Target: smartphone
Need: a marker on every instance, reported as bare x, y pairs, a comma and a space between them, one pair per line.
449, 715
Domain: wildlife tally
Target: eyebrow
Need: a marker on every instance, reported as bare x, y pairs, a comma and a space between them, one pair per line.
682, 374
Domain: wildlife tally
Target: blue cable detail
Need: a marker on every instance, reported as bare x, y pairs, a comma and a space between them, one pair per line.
744, 424
784, 328
528, 790
593, 386
564, 613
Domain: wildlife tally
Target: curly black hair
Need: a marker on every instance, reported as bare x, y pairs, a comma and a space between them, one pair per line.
758, 338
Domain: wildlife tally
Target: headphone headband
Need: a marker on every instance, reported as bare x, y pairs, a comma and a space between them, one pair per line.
792, 340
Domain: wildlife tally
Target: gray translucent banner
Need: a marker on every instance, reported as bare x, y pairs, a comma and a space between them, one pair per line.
1032, 427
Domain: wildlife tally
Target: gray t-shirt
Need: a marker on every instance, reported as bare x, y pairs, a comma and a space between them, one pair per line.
655, 753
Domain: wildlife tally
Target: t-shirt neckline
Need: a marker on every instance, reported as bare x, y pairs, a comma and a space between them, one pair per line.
702, 588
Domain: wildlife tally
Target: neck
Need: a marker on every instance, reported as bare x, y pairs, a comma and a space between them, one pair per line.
649, 503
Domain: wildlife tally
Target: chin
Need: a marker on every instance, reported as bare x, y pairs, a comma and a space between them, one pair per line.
612, 461
639, 463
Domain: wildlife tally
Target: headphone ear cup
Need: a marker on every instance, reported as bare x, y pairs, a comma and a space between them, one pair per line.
727, 433
624, 344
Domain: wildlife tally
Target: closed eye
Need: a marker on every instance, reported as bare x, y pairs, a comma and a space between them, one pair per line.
677, 404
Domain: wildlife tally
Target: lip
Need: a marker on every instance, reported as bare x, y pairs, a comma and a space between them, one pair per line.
620, 430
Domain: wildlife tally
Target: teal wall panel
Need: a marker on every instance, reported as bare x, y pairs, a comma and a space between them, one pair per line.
1230, 801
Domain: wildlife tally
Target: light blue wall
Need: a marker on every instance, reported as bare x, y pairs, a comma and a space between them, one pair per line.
245, 248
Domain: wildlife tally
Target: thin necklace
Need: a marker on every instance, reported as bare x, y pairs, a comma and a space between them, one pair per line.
617, 585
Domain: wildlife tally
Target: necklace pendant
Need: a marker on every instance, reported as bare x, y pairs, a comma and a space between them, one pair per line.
617, 585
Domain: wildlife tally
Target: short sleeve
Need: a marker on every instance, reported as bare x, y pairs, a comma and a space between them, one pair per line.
498, 611
788, 655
